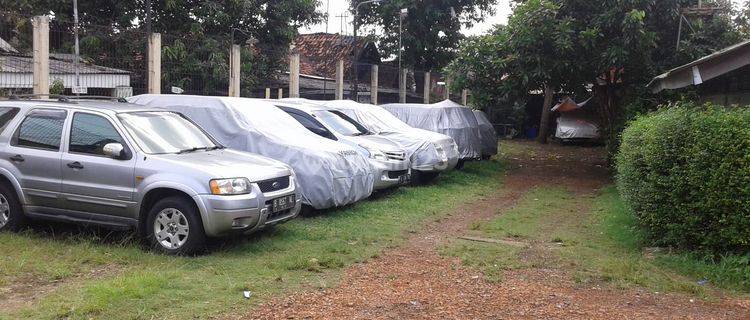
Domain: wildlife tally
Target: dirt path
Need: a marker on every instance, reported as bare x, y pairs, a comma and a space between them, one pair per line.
415, 282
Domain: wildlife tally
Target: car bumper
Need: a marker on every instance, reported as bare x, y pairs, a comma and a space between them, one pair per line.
389, 174
225, 215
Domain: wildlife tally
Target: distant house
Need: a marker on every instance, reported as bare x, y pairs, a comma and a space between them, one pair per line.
722, 77
319, 54
16, 73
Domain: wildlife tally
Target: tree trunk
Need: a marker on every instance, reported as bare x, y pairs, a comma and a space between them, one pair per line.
544, 123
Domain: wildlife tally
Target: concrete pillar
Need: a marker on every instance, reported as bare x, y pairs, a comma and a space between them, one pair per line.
427, 87
154, 63
294, 73
268, 93
234, 71
447, 88
41, 54
281, 93
402, 86
374, 84
465, 96
339, 80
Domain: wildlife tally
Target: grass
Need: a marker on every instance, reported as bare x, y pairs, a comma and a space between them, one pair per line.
594, 239
102, 275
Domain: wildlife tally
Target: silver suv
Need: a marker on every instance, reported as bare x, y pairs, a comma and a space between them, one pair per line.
120, 165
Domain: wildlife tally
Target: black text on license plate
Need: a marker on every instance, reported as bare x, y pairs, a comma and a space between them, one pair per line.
282, 203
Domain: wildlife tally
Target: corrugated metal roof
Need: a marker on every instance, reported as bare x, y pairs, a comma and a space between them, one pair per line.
24, 64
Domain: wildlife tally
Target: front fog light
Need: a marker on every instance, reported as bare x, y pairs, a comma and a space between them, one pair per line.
230, 186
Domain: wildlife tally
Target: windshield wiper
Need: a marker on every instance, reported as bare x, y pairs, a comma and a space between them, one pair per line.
215, 148
193, 149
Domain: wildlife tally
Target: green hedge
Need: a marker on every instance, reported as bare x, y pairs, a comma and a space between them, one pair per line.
685, 172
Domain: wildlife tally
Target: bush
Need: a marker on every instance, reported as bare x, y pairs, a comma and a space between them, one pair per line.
685, 172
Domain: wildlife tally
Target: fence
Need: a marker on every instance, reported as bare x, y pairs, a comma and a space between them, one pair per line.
38, 55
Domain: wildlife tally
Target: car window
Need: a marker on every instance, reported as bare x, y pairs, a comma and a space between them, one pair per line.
7, 114
42, 129
312, 125
341, 123
89, 133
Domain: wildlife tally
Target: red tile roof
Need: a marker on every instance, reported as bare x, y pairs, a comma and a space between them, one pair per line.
320, 51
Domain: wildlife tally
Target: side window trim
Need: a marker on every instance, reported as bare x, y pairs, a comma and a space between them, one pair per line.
69, 134
30, 112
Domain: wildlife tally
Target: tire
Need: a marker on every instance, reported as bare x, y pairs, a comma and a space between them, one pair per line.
460, 164
423, 177
174, 227
12, 217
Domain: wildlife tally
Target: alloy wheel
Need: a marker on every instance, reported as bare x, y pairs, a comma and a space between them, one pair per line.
171, 228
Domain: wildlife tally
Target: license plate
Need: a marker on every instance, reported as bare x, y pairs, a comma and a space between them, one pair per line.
404, 179
283, 203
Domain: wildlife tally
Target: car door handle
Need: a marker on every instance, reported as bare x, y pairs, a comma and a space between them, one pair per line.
17, 158
75, 165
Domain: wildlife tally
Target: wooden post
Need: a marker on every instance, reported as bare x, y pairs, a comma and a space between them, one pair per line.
402, 86
427, 87
465, 97
268, 93
447, 88
281, 93
154, 63
234, 71
41, 54
294, 73
374, 84
340, 80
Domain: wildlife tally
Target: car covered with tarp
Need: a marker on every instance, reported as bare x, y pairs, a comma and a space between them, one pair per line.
576, 121
487, 134
429, 152
446, 117
330, 173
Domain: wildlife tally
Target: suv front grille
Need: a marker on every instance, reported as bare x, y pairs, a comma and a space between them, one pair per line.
396, 174
274, 184
397, 156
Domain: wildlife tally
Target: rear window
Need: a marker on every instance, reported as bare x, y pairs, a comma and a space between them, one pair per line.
7, 114
41, 129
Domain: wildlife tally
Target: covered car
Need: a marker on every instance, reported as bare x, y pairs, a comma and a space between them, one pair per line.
446, 117
576, 121
330, 173
430, 153
388, 159
487, 134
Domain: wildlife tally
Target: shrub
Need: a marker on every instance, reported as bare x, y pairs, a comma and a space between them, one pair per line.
685, 172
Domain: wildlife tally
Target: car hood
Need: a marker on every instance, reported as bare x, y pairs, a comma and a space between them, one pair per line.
227, 163
376, 142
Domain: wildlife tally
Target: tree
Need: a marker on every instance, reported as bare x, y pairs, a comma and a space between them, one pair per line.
431, 30
615, 48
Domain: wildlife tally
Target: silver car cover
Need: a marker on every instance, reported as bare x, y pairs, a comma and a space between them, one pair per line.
427, 150
330, 173
487, 134
446, 117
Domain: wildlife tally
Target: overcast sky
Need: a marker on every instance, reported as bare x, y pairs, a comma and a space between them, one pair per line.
339, 7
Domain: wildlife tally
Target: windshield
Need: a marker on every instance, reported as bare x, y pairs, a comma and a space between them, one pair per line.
341, 123
165, 132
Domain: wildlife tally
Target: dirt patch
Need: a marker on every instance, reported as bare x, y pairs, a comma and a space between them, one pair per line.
415, 282
24, 292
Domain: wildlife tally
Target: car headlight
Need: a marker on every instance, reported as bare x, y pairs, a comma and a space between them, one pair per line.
375, 153
230, 186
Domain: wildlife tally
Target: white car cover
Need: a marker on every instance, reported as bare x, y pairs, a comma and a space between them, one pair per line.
487, 134
329, 173
446, 117
570, 127
427, 150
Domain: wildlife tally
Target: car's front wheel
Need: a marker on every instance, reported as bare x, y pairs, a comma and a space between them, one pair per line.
11, 213
174, 227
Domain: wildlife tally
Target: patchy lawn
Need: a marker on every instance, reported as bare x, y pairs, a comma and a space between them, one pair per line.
593, 238
71, 272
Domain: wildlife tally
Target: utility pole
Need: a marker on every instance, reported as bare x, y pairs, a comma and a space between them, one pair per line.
401, 15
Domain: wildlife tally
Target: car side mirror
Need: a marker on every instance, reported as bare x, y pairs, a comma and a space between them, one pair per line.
114, 150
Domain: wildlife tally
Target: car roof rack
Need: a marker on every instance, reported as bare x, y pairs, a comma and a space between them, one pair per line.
64, 98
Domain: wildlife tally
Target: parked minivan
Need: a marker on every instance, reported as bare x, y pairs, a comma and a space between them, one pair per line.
430, 153
388, 159
121, 165
330, 173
